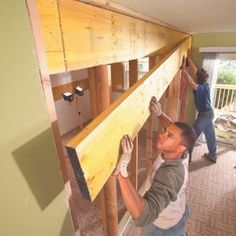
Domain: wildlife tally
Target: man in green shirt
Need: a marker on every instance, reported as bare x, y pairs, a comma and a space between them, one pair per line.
162, 210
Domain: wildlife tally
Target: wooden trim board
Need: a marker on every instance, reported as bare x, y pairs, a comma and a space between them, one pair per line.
97, 146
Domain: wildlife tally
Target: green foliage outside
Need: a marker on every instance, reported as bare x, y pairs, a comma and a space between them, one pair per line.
226, 75
227, 72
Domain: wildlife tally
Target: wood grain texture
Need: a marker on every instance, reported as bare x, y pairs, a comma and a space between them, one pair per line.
52, 35
133, 78
173, 97
46, 83
100, 100
97, 146
149, 139
78, 35
116, 7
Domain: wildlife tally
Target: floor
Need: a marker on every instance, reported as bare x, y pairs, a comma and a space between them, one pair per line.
211, 197
211, 194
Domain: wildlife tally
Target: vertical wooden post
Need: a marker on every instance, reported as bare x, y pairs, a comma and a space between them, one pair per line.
183, 97
117, 74
173, 93
133, 72
46, 83
149, 153
100, 100
47, 90
133, 78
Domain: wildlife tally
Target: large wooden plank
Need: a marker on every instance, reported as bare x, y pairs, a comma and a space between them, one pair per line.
119, 8
52, 37
46, 84
84, 36
95, 150
133, 78
173, 97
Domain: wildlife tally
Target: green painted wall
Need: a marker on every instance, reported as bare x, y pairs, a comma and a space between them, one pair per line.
32, 194
221, 39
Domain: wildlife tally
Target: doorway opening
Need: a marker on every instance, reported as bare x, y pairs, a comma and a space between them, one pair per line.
224, 99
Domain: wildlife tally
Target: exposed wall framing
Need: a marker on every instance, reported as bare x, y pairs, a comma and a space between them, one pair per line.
78, 35
121, 117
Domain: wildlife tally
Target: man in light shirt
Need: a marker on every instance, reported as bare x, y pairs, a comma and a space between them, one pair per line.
162, 210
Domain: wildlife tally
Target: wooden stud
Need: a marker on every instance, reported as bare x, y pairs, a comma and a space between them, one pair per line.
45, 79
100, 100
117, 75
133, 72
149, 143
173, 97
133, 78
183, 97
99, 142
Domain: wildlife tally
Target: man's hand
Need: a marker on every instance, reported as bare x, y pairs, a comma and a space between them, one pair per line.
126, 147
155, 107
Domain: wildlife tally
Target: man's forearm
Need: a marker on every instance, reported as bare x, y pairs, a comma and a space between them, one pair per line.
190, 80
134, 202
192, 66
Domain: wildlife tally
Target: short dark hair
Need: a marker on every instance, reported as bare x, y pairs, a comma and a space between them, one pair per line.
188, 133
202, 76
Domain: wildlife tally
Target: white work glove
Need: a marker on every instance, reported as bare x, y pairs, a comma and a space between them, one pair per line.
126, 147
155, 107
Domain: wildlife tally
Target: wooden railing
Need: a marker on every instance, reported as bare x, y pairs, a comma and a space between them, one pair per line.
225, 97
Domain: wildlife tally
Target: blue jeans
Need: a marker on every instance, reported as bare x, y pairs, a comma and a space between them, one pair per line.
176, 230
204, 124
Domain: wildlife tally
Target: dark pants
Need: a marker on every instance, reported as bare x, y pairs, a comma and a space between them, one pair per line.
204, 124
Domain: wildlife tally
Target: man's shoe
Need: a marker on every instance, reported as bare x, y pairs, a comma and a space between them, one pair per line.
210, 157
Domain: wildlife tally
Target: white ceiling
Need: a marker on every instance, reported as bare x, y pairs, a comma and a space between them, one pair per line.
193, 16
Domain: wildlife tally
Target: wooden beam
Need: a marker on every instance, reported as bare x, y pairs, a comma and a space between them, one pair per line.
183, 97
100, 100
133, 78
96, 148
49, 17
46, 83
149, 138
173, 97
116, 7
86, 36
